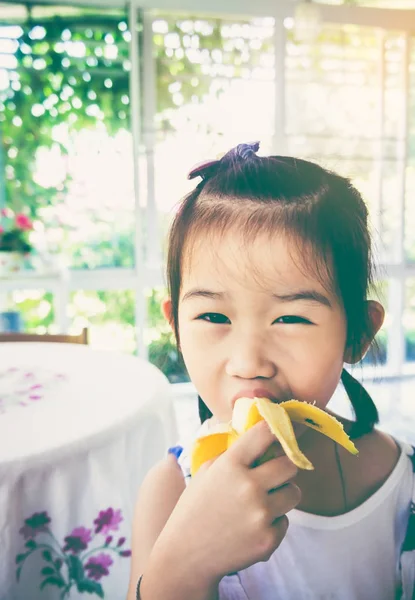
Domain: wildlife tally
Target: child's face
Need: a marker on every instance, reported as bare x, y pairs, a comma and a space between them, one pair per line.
291, 345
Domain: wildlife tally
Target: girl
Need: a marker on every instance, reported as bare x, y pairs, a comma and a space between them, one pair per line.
269, 268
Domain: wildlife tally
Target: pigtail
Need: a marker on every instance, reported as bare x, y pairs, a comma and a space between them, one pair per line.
366, 413
204, 412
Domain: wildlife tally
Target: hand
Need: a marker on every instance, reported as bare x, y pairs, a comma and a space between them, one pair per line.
232, 514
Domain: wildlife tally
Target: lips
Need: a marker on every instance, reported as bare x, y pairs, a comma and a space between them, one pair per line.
254, 393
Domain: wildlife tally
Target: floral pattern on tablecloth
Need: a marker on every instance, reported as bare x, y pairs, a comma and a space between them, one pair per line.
20, 387
84, 558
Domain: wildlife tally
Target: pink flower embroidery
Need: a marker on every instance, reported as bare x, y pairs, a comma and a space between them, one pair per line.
87, 567
107, 520
78, 540
98, 566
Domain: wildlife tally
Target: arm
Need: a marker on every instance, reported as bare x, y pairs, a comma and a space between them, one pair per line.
162, 579
187, 540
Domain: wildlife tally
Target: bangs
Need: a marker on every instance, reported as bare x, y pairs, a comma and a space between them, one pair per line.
320, 213
213, 221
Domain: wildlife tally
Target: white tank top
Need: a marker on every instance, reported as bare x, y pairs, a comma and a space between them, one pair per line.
354, 556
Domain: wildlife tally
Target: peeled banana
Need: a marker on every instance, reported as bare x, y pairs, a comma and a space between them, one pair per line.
248, 411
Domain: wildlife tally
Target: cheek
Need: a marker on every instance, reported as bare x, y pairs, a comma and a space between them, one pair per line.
317, 382
202, 364
197, 354
316, 370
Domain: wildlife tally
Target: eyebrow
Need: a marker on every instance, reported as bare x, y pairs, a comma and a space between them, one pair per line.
307, 295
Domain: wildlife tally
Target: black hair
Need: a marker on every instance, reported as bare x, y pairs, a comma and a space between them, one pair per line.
322, 212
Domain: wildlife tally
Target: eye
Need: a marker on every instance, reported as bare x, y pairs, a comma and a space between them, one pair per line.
215, 318
292, 320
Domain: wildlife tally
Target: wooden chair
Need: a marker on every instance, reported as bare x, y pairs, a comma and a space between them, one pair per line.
82, 338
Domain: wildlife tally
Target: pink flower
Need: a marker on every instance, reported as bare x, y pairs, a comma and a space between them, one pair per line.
98, 566
23, 222
1, 229
108, 520
7, 213
78, 540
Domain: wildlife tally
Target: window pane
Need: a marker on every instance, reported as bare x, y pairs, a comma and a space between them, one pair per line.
409, 320
373, 3
215, 89
378, 352
35, 308
110, 319
334, 99
410, 171
109, 316
162, 349
64, 110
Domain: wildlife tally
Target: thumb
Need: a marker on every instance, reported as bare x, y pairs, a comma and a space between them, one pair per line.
252, 444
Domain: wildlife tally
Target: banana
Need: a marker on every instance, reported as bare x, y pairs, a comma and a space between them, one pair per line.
310, 415
208, 447
249, 411
280, 424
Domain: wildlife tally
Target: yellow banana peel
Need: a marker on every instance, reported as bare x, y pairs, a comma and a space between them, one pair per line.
249, 411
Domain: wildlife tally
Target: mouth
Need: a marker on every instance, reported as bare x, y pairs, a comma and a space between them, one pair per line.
255, 393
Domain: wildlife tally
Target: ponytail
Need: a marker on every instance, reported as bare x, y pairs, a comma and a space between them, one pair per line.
204, 412
366, 413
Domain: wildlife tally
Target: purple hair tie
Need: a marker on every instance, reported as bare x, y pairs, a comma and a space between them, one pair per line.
207, 167
246, 150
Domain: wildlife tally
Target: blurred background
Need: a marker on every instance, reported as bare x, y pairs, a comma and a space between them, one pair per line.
105, 105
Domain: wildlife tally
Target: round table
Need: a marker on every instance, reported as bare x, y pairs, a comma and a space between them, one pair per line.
79, 429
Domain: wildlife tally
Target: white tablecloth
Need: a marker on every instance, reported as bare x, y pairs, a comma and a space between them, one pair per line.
79, 429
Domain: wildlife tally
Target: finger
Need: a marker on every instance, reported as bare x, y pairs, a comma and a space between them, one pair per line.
273, 451
281, 524
252, 444
275, 472
205, 466
282, 500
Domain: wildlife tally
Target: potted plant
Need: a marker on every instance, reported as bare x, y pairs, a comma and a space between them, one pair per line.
14, 241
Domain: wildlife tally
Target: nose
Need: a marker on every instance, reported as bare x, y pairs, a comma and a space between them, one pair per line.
249, 358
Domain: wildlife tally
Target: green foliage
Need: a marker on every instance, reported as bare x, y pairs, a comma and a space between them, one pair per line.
100, 309
163, 353
14, 232
114, 249
73, 69
162, 350
14, 240
73, 73
36, 309
63, 75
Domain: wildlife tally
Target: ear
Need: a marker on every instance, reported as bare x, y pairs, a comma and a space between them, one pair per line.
166, 308
376, 314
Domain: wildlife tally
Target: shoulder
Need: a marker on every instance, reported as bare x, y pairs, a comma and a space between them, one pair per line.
157, 497
380, 448
378, 457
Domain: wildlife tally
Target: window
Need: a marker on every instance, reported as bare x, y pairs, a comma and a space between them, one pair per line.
65, 123
206, 83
